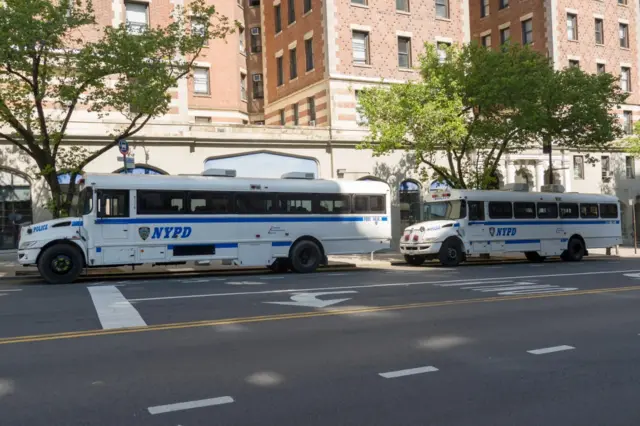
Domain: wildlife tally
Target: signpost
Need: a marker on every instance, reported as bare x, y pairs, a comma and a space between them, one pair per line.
123, 146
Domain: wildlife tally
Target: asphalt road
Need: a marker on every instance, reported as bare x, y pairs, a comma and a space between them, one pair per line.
502, 344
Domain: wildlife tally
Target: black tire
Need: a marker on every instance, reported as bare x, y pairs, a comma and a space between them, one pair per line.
280, 266
534, 256
305, 257
60, 264
415, 260
575, 250
451, 253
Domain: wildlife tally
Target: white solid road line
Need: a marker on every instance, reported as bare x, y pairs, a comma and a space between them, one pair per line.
161, 409
4, 290
551, 350
114, 310
458, 282
409, 372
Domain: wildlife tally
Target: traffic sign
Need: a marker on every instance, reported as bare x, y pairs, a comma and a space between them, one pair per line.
123, 146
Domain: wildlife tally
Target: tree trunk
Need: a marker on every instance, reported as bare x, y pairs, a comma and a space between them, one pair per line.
56, 194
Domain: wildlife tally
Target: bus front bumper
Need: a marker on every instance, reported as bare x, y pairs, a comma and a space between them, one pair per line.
28, 256
417, 249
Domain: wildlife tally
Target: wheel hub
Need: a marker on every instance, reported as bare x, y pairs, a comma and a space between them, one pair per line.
61, 264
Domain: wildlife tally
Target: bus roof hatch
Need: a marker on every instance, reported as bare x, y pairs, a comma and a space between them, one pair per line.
298, 175
219, 172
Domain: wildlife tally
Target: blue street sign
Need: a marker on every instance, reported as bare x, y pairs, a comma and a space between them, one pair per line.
123, 146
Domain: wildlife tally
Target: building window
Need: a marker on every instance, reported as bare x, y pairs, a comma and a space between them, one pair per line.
202, 120
241, 39
243, 86
362, 2
630, 166
404, 52
201, 80
606, 167
258, 86
572, 26
599, 31
505, 34
307, 6
578, 167
280, 70
484, 8
291, 11
442, 9
442, 47
360, 46
402, 5
282, 117
277, 16
627, 122
254, 3
311, 109
625, 79
308, 54
623, 32
527, 31
296, 115
486, 40
137, 17
573, 63
601, 68
198, 28
622, 2
256, 40
293, 64
504, 3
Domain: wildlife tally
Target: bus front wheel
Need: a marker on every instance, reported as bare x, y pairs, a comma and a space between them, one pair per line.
451, 252
305, 257
60, 264
414, 260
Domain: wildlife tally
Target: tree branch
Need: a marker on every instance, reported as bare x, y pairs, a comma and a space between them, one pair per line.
16, 143
20, 76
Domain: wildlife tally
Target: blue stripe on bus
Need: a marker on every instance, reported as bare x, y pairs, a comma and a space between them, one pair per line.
546, 222
230, 245
522, 242
262, 219
76, 223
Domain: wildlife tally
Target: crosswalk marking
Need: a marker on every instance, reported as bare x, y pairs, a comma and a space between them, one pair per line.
113, 309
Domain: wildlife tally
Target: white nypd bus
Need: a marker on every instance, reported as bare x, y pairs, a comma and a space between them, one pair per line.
151, 219
462, 223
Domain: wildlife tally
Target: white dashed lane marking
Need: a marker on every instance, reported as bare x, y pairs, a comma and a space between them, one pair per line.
552, 349
181, 406
408, 372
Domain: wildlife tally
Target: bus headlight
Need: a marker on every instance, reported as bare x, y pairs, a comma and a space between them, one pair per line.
27, 244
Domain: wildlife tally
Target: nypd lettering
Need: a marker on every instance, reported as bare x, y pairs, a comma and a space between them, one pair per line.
502, 232
165, 232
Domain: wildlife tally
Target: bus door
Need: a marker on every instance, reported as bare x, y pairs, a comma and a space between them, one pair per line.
477, 230
113, 226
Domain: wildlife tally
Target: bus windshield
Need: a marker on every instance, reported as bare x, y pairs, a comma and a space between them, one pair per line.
445, 210
83, 202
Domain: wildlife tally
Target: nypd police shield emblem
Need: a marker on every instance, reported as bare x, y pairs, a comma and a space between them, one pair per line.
144, 232
492, 231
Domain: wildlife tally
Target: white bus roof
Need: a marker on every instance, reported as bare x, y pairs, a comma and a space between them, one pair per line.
476, 195
208, 183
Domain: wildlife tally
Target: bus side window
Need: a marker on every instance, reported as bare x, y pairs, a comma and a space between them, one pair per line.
113, 203
547, 211
500, 210
476, 210
609, 211
568, 210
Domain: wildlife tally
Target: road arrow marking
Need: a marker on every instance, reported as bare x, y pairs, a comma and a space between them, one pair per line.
310, 300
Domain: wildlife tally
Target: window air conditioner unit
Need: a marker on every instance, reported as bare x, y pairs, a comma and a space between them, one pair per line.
556, 187
255, 31
219, 172
257, 77
312, 122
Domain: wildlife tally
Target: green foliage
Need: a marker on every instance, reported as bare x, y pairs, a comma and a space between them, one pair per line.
48, 70
477, 104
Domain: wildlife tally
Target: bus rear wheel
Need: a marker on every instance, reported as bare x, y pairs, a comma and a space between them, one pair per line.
60, 264
414, 260
534, 256
305, 257
575, 250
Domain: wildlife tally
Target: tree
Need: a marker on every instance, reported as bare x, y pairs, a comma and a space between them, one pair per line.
575, 111
48, 71
495, 101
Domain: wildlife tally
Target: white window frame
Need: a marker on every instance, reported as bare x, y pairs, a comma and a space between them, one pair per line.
357, 51
133, 13
203, 81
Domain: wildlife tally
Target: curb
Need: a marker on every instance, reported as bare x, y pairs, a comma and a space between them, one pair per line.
96, 274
